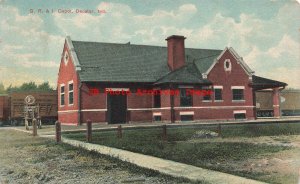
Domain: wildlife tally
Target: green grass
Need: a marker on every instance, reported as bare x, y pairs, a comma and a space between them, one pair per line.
211, 155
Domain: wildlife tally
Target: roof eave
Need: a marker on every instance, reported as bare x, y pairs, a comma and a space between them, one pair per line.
73, 53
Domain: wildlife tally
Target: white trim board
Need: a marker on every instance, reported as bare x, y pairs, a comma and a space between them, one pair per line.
214, 107
186, 113
156, 113
239, 112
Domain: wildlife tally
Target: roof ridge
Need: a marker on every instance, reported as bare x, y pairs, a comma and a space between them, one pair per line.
126, 44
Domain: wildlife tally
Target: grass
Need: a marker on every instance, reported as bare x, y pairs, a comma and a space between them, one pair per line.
40, 152
211, 155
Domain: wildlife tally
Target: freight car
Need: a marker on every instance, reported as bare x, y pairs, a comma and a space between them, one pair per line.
289, 103
4, 110
13, 107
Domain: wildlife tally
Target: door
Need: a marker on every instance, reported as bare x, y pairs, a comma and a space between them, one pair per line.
116, 109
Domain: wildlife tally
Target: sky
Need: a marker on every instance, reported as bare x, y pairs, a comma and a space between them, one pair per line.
266, 33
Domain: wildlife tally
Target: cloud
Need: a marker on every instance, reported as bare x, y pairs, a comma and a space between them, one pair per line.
285, 74
39, 64
285, 46
26, 48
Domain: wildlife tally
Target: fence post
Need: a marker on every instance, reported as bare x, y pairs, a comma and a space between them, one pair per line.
34, 127
219, 130
119, 130
89, 130
164, 133
58, 131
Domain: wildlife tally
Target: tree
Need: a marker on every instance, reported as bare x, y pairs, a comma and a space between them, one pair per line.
45, 86
30, 86
2, 89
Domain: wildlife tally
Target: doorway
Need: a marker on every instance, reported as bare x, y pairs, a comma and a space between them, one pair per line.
116, 109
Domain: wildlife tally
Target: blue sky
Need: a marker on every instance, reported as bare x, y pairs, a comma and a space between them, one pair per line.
266, 33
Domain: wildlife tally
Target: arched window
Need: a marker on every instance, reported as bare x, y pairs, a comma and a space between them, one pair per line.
66, 58
227, 65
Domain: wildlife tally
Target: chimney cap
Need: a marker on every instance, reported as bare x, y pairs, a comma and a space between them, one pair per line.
176, 37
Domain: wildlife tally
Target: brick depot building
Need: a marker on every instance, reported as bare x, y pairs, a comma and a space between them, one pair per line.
88, 69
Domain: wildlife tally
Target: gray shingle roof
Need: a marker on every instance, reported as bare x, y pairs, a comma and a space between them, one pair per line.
110, 62
188, 74
264, 83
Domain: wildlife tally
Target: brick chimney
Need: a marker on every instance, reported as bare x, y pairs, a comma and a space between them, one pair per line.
176, 54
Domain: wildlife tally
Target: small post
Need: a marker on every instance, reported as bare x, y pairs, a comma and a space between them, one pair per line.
219, 130
89, 130
164, 133
58, 131
34, 127
119, 130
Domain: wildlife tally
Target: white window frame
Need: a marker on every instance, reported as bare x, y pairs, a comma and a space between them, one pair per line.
185, 87
239, 112
65, 55
230, 67
69, 91
208, 88
218, 87
60, 93
238, 87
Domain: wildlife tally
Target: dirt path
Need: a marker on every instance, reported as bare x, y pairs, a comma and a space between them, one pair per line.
24, 159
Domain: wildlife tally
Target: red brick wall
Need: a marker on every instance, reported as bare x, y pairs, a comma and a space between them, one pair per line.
139, 101
236, 77
139, 107
93, 105
67, 114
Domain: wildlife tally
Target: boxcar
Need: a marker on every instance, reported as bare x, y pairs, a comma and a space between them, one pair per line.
15, 104
4, 110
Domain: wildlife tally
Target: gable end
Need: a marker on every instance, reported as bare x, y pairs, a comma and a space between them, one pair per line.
236, 56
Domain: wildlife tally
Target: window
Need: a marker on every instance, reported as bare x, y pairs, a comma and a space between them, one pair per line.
240, 116
71, 94
185, 100
62, 95
237, 94
66, 58
186, 118
227, 65
157, 118
157, 101
218, 94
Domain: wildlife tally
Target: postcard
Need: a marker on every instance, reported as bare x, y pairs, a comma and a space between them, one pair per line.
149, 91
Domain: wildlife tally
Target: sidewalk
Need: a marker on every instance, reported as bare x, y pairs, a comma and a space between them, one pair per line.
168, 167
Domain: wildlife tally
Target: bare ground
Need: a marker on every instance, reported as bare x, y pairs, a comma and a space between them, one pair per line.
27, 159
